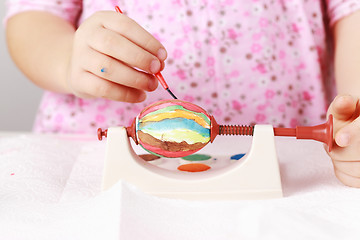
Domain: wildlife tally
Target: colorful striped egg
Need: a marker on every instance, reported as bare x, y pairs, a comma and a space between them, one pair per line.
173, 128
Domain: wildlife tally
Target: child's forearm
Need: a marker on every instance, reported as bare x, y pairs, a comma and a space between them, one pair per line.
40, 44
347, 54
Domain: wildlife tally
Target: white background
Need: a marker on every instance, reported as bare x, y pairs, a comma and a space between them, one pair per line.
19, 98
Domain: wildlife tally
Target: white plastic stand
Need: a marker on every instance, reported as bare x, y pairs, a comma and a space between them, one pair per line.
257, 176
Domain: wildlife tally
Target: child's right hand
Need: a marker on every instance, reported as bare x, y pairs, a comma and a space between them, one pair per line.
115, 58
346, 150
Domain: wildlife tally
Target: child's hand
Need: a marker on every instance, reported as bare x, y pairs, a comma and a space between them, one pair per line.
114, 58
346, 151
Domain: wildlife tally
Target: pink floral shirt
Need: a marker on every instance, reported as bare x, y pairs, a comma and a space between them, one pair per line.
243, 61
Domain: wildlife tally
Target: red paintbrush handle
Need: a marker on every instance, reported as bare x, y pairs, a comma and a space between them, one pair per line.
118, 9
161, 79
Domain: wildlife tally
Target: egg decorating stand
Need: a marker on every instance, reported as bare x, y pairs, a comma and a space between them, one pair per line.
256, 176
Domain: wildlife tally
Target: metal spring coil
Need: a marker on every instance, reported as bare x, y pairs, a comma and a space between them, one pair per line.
236, 130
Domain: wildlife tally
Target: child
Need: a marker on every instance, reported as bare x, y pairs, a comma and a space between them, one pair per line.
245, 62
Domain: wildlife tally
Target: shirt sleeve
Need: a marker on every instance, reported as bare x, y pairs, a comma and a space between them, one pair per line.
66, 9
338, 9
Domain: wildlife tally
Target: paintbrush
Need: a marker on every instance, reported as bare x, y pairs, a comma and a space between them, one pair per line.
158, 75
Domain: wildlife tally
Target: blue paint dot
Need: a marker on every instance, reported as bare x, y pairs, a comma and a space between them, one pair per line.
237, 156
103, 70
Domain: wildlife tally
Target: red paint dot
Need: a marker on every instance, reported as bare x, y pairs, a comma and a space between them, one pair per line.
12, 174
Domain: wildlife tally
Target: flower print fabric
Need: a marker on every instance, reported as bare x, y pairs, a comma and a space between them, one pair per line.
245, 62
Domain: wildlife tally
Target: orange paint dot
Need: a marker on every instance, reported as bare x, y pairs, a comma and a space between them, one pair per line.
194, 167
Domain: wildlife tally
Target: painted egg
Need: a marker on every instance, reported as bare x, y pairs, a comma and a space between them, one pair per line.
173, 128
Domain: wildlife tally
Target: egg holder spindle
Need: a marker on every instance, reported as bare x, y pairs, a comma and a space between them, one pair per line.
257, 176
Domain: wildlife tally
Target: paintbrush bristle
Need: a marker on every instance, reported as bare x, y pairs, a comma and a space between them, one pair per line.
171, 93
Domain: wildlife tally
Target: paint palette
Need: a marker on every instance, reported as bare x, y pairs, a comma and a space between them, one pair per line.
193, 163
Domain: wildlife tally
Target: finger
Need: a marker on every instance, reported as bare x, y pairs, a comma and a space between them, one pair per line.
351, 168
343, 107
102, 88
112, 44
348, 134
113, 70
347, 179
131, 30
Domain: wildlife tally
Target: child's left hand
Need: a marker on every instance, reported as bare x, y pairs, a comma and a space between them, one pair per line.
345, 154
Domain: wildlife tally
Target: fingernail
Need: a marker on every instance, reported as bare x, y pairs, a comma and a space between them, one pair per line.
152, 85
343, 98
161, 54
343, 140
155, 66
162, 66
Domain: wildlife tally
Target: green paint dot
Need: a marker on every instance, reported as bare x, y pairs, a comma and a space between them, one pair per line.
197, 157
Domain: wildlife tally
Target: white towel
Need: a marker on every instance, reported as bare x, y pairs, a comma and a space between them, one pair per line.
50, 189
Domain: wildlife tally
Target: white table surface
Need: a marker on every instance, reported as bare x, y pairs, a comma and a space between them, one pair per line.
50, 189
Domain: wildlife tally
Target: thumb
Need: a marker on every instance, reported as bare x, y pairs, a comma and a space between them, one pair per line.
348, 134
